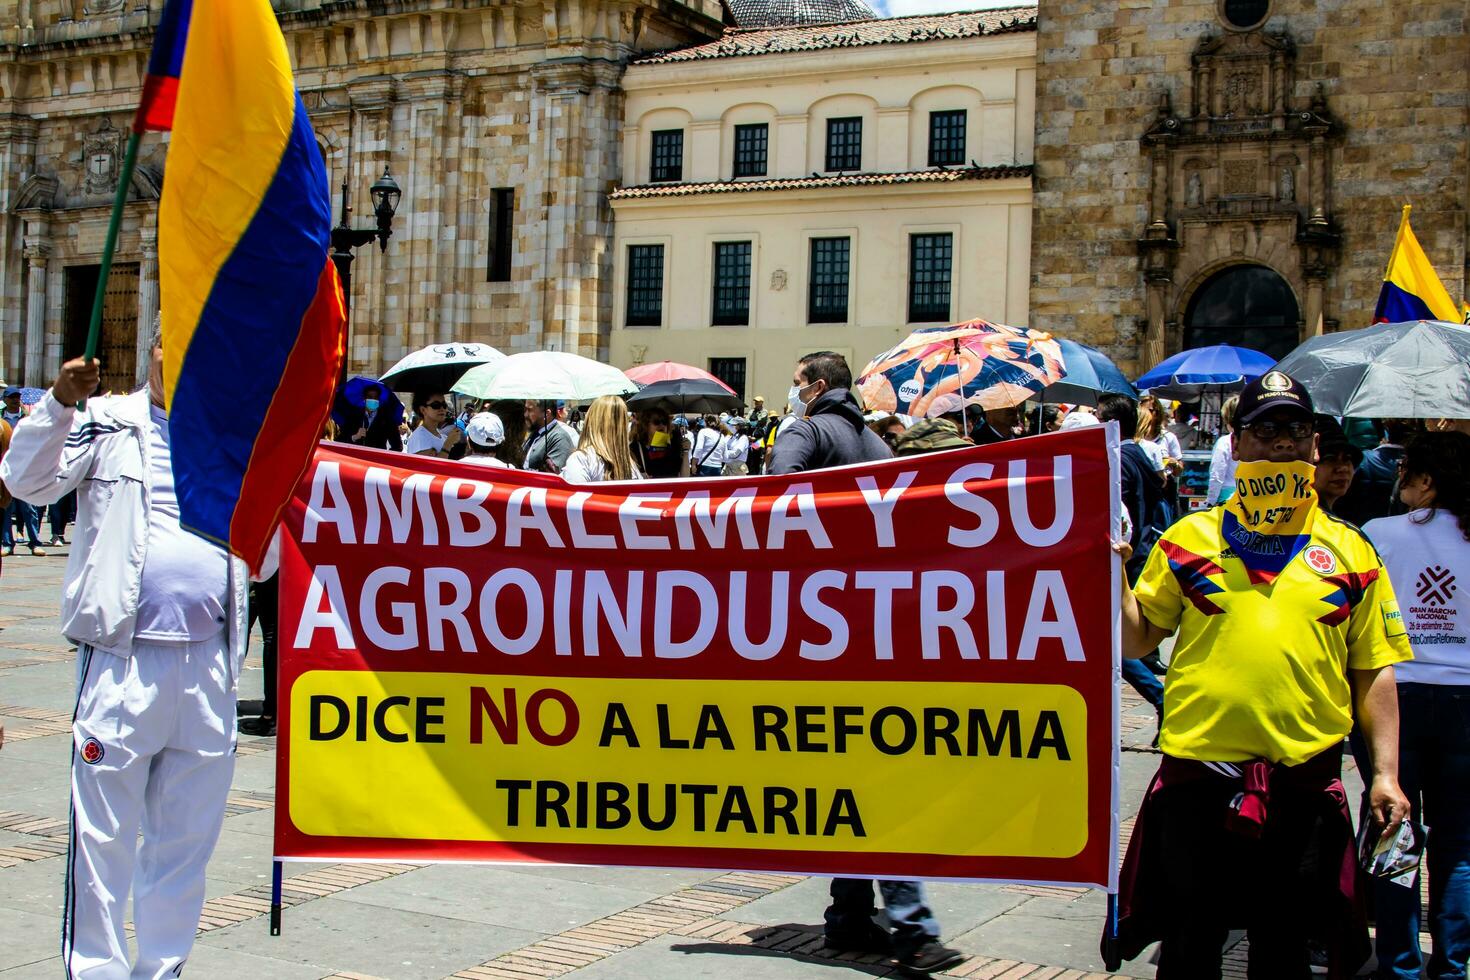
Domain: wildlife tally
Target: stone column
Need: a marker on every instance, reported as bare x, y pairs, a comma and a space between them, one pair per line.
37, 253
1313, 322
147, 300
1155, 341
574, 159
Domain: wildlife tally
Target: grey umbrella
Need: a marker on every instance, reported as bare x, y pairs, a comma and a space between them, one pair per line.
684, 395
1419, 369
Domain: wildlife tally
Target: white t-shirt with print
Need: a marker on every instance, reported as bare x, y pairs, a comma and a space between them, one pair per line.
1429, 566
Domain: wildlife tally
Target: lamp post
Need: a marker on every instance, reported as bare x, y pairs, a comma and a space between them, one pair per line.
345, 238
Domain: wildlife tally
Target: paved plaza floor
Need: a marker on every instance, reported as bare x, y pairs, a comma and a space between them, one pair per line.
475, 921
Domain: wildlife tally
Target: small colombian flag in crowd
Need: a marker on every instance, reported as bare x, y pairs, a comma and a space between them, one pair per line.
252, 307
1411, 287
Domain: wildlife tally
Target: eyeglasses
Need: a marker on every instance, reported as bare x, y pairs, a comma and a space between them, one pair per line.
1270, 430
435, 405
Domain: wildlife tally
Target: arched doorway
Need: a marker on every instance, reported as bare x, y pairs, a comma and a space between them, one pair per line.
1246, 306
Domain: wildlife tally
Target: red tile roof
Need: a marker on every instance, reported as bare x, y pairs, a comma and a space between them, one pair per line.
642, 191
737, 42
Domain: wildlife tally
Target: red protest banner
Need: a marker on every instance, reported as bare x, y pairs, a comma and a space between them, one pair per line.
900, 669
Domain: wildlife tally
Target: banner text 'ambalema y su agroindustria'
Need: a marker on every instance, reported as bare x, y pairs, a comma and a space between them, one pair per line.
890, 670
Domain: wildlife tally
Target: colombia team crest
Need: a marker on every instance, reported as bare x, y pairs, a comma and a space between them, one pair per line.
92, 752
1321, 560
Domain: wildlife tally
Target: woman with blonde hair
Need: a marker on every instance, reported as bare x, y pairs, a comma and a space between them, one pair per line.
602, 452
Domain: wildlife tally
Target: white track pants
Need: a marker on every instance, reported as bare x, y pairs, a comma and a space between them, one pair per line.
154, 749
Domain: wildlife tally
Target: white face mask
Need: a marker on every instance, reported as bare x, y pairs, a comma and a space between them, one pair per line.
794, 404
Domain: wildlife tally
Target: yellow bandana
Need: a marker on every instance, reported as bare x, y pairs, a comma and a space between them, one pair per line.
1269, 519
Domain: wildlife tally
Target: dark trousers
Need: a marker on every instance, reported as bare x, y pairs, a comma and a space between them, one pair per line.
1218, 880
1434, 772
265, 606
62, 513
30, 519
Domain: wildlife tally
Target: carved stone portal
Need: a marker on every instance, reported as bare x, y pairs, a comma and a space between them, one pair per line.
1241, 178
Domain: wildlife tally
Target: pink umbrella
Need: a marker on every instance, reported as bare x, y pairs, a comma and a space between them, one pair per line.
647, 374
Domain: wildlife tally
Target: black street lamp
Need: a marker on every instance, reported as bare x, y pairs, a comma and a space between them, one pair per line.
345, 238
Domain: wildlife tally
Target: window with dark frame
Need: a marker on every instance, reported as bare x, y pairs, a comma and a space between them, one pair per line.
502, 234
645, 286
827, 289
730, 370
732, 284
845, 143
750, 149
930, 259
947, 138
668, 156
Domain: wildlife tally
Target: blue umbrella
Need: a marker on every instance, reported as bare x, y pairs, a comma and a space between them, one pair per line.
1188, 373
29, 396
352, 396
1090, 373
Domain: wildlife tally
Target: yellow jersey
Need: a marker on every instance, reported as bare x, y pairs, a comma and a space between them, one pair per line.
1261, 670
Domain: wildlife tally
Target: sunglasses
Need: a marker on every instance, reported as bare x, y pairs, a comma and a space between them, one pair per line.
1270, 430
435, 405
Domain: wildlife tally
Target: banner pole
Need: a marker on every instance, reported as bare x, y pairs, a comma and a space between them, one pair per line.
1112, 955
114, 224
276, 897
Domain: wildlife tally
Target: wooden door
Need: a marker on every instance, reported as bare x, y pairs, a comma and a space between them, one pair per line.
117, 348
117, 345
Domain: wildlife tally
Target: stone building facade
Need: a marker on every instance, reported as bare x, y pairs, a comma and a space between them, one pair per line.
825, 187
457, 100
1234, 170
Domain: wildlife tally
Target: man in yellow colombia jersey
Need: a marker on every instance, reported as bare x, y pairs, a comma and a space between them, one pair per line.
1287, 630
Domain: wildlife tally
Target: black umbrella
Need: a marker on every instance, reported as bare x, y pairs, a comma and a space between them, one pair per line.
685, 395
1419, 369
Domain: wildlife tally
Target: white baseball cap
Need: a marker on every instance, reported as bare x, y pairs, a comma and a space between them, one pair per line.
1078, 420
486, 429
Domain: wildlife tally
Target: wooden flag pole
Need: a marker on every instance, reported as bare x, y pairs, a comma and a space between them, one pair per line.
114, 225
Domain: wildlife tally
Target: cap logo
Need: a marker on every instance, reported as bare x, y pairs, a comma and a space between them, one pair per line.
1276, 381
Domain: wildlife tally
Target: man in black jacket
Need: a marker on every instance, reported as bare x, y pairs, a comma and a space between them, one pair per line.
375, 425
1143, 498
829, 430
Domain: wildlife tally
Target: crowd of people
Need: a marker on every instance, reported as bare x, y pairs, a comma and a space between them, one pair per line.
1281, 595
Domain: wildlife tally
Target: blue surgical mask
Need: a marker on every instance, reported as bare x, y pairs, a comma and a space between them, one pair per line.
371, 403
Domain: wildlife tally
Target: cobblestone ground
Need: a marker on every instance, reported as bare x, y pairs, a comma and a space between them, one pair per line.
472, 921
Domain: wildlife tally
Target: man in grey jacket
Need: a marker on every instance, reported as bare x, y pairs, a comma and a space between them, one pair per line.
158, 616
830, 431
550, 442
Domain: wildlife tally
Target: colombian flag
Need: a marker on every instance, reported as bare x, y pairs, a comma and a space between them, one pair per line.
1411, 288
252, 307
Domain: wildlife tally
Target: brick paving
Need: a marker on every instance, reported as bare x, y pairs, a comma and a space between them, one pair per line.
382, 921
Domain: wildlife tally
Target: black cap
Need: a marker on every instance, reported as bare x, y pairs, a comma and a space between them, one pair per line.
1274, 389
1331, 439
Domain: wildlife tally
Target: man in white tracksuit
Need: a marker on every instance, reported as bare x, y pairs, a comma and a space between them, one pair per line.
158, 616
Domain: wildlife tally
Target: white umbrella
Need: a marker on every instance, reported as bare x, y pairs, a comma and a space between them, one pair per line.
545, 375
437, 367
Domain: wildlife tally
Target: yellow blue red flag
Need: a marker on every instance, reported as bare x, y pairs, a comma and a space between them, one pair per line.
1411, 288
252, 307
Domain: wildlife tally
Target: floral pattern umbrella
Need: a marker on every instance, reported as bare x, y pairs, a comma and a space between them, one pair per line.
938, 370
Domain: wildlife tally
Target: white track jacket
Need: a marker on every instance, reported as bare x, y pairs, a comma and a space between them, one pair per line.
102, 452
